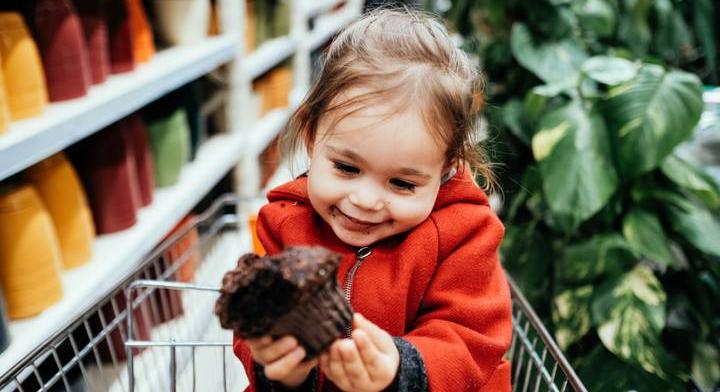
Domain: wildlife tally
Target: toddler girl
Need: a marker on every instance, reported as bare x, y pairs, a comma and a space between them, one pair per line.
390, 129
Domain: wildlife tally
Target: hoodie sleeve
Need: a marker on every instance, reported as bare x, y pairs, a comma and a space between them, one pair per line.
464, 326
270, 218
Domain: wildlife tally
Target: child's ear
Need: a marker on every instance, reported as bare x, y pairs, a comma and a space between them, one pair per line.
449, 171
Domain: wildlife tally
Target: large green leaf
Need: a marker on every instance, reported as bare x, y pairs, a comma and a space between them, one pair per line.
694, 222
596, 16
633, 27
602, 256
609, 70
572, 149
672, 38
650, 115
644, 233
553, 62
630, 314
601, 371
511, 115
706, 365
705, 29
528, 257
693, 179
571, 315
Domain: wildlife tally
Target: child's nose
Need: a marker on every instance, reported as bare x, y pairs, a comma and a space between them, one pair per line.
367, 200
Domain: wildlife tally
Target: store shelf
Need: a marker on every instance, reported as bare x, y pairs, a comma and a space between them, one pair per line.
274, 122
268, 55
117, 255
712, 96
330, 25
64, 123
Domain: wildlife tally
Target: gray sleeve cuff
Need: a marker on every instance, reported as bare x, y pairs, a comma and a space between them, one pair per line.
411, 375
263, 384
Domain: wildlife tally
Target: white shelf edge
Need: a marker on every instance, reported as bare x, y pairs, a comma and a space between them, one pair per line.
325, 31
268, 55
64, 123
270, 126
712, 96
117, 255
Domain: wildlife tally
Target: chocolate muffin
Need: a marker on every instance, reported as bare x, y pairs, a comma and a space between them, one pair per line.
292, 293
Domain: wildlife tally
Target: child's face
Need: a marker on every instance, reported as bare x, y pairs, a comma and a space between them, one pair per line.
371, 178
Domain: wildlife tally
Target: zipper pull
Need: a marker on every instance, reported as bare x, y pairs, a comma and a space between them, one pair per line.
363, 252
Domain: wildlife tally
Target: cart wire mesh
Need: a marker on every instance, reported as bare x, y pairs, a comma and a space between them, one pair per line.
169, 340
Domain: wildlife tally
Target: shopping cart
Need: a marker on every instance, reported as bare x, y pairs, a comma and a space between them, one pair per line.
538, 363
156, 330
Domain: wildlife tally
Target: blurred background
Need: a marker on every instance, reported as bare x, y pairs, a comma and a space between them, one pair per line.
138, 137
603, 116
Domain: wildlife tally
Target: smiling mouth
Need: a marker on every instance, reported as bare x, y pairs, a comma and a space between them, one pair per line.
357, 223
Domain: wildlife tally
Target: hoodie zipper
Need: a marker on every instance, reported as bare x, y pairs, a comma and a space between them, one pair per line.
360, 255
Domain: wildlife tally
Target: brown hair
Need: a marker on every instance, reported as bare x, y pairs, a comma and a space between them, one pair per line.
406, 55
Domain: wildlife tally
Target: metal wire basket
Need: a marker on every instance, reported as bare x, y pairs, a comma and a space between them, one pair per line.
170, 341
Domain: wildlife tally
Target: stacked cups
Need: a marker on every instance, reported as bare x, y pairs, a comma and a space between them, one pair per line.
29, 253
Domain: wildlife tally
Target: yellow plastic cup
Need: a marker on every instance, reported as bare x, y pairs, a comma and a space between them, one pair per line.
22, 68
64, 197
29, 253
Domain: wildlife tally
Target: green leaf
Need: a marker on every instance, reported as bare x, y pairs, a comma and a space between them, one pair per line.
596, 16
706, 365
630, 314
527, 257
552, 61
695, 223
672, 38
511, 114
650, 115
644, 233
693, 179
571, 315
534, 104
609, 70
633, 28
705, 30
572, 150
601, 371
602, 256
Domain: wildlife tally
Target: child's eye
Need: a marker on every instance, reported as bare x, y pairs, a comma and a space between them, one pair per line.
346, 169
403, 185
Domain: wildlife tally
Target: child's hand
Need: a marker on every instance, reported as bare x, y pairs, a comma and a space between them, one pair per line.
366, 363
282, 359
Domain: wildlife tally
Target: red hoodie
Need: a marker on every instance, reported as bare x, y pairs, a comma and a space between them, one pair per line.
439, 286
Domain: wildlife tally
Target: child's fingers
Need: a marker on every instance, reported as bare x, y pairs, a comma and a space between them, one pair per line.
368, 352
280, 368
275, 350
382, 340
335, 370
259, 342
352, 362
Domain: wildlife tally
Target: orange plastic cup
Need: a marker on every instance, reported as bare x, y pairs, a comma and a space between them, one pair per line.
257, 245
29, 253
4, 111
143, 48
22, 68
185, 251
59, 187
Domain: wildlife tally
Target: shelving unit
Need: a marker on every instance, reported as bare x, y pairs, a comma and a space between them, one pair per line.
64, 123
268, 55
115, 256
